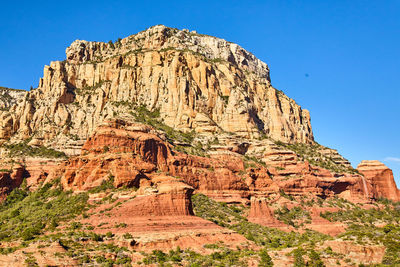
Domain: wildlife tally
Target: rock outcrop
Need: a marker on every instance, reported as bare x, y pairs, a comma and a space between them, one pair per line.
197, 82
261, 213
358, 253
10, 97
131, 153
126, 156
10, 179
381, 178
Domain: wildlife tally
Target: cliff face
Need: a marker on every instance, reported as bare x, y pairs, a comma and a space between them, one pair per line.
9, 179
381, 178
196, 82
8, 98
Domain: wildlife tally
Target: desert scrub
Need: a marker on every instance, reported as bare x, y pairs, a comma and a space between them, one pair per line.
313, 258
312, 153
295, 217
232, 218
142, 114
152, 117
23, 149
249, 159
362, 230
351, 213
92, 251
282, 193
219, 257
184, 140
27, 214
389, 236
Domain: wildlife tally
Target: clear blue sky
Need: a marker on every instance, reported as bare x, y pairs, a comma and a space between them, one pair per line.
339, 59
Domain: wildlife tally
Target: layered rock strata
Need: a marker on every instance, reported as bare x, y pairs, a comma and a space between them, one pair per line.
381, 178
197, 82
133, 153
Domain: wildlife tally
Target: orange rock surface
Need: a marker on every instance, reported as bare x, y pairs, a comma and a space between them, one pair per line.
10, 179
381, 179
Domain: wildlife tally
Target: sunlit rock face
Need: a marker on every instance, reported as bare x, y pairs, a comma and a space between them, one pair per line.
197, 82
381, 178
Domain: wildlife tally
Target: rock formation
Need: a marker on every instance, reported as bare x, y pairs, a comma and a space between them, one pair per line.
261, 213
381, 178
10, 179
131, 152
10, 97
197, 82
150, 120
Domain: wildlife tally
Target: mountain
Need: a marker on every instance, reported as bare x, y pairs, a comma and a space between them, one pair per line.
196, 82
170, 146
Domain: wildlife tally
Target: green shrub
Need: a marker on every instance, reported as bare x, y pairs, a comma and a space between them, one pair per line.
111, 44
127, 236
313, 154
298, 254
109, 235
105, 185
76, 225
265, 259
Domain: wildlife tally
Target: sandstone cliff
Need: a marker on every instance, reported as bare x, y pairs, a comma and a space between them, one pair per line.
381, 178
197, 82
10, 97
132, 153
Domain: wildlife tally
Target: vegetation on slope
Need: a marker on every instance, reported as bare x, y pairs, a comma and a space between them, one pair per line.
312, 153
24, 150
295, 217
25, 215
221, 256
233, 218
183, 141
365, 227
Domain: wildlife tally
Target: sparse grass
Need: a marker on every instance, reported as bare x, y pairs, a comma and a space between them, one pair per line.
143, 115
249, 159
184, 140
107, 184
